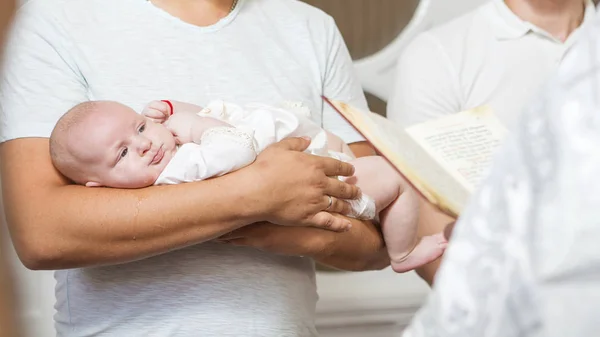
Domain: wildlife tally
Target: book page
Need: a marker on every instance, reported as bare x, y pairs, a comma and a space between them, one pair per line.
426, 175
463, 143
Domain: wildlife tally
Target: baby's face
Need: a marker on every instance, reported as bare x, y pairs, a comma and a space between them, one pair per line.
124, 149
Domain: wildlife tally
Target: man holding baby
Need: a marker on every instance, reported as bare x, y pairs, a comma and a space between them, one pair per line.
146, 262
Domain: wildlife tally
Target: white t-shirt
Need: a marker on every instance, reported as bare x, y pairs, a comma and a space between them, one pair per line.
63, 52
524, 258
488, 56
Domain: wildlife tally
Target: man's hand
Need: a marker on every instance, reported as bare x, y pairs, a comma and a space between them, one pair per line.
358, 249
293, 188
282, 240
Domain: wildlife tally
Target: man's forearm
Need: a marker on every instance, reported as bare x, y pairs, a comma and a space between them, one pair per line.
117, 226
358, 249
362, 149
55, 225
361, 248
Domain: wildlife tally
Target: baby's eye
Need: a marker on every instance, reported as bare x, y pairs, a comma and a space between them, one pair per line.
142, 128
123, 153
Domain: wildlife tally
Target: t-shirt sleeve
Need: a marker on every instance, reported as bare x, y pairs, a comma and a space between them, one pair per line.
40, 81
340, 83
426, 84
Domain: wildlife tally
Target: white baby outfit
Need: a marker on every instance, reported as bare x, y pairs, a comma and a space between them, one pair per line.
256, 126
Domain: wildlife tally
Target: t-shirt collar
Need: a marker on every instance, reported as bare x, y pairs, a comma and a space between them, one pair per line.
507, 25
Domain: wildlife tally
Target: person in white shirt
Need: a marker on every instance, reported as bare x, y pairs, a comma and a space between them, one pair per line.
498, 55
524, 258
107, 144
139, 262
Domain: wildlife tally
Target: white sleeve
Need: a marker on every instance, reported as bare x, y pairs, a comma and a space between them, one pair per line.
524, 259
222, 150
426, 84
484, 286
40, 81
340, 83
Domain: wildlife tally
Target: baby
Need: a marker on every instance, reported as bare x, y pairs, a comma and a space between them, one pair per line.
104, 143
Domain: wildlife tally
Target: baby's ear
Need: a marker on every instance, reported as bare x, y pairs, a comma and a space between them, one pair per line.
93, 184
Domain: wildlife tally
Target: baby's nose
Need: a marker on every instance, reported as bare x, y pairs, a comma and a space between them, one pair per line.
144, 145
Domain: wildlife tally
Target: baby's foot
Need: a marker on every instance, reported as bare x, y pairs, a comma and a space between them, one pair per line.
428, 249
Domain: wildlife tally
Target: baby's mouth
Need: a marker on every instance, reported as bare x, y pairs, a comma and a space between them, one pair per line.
158, 156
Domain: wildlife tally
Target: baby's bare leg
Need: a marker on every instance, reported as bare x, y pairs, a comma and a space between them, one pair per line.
398, 208
335, 143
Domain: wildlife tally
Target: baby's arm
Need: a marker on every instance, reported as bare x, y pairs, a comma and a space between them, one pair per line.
160, 111
220, 151
182, 119
188, 127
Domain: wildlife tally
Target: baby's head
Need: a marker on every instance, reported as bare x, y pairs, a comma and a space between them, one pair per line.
103, 143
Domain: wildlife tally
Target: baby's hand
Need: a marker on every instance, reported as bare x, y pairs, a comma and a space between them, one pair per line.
182, 126
157, 111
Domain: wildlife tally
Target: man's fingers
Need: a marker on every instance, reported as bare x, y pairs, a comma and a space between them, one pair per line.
337, 206
327, 221
334, 167
294, 143
341, 190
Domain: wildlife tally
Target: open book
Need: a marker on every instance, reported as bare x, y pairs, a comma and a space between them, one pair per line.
444, 159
